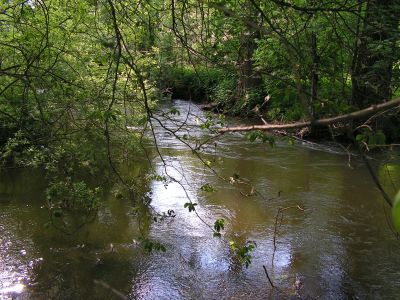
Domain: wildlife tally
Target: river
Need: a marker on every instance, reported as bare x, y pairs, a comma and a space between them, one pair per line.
334, 236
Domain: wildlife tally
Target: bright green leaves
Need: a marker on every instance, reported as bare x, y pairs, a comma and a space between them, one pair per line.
258, 135
396, 212
71, 204
190, 206
10, 149
113, 115
252, 136
160, 178
243, 252
207, 163
157, 177
174, 111
218, 226
150, 245
207, 188
210, 121
207, 124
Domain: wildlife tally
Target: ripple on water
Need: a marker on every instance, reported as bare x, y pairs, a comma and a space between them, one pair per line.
340, 244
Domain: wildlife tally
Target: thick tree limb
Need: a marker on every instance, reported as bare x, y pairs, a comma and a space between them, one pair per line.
321, 122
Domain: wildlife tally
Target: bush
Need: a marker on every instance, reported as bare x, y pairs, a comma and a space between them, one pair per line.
223, 93
189, 83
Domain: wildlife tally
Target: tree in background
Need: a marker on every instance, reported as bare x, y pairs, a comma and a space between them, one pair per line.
375, 52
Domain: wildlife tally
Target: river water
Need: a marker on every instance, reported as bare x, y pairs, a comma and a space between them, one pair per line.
339, 244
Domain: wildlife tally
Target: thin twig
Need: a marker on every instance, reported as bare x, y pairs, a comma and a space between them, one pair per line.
269, 279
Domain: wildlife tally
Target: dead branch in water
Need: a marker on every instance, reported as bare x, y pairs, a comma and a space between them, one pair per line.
321, 122
269, 279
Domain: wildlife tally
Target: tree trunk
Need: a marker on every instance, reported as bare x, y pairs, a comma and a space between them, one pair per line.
372, 73
247, 78
314, 74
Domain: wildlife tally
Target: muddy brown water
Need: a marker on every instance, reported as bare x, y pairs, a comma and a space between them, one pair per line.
340, 246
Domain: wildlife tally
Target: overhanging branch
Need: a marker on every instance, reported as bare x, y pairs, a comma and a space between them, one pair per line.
321, 122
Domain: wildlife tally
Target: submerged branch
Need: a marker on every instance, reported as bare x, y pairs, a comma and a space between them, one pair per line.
269, 279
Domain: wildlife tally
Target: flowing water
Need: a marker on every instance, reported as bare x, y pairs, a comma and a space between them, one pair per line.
334, 235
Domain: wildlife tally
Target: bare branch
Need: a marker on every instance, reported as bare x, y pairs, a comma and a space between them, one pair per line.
321, 122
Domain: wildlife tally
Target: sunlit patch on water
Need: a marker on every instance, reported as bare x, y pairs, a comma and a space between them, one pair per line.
283, 257
16, 260
13, 275
13, 272
14, 289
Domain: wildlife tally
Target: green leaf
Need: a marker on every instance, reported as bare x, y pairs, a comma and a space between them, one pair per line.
361, 138
243, 252
174, 111
216, 234
149, 245
190, 206
252, 136
219, 225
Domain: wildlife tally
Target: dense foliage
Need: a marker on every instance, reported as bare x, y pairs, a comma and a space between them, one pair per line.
290, 60
67, 96
76, 76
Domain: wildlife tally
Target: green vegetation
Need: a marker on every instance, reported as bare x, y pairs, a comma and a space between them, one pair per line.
289, 60
76, 76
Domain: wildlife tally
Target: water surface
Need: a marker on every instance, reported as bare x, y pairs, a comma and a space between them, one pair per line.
339, 243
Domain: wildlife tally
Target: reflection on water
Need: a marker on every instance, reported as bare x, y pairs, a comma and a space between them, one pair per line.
340, 245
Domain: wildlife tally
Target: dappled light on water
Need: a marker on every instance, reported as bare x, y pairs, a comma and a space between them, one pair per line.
332, 233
